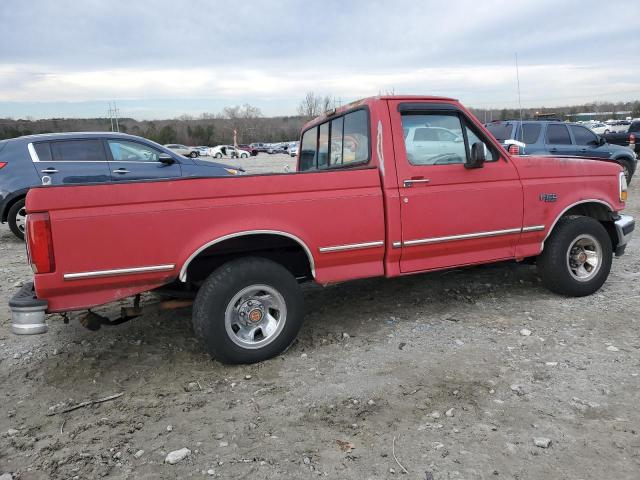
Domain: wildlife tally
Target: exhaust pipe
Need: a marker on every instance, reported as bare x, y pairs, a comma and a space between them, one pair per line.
27, 312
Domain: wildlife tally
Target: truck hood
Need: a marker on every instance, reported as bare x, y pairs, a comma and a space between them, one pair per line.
532, 166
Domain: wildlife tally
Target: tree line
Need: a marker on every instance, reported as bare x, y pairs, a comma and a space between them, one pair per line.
207, 129
252, 126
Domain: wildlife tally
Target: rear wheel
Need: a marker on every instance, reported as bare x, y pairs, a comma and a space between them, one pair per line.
577, 257
248, 310
218, 155
17, 217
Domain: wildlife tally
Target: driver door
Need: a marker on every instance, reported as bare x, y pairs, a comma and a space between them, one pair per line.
452, 215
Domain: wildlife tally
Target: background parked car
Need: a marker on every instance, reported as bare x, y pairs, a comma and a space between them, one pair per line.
259, 147
599, 128
220, 151
562, 139
618, 126
276, 148
183, 150
293, 149
203, 150
628, 138
67, 158
248, 148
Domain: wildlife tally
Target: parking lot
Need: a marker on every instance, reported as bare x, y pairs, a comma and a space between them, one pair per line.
449, 375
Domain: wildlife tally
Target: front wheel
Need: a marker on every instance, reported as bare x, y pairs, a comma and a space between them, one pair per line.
248, 310
244, 155
17, 217
577, 257
193, 154
218, 155
627, 168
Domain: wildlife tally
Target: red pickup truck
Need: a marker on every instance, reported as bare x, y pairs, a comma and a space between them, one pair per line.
385, 186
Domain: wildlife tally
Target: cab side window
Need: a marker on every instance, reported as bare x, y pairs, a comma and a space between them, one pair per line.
440, 139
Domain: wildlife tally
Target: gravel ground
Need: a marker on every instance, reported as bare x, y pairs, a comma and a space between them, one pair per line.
469, 374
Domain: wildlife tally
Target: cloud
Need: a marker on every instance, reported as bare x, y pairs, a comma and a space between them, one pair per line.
69, 51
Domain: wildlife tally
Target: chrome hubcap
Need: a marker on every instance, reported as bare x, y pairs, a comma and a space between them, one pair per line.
21, 219
584, 257
255, 316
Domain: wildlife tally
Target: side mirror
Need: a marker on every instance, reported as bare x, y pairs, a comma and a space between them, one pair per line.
166, 159
477, 156
601, 141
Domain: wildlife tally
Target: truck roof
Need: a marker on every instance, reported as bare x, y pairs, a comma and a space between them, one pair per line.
368, 100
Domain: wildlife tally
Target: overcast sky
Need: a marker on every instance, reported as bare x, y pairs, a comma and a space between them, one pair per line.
163, 58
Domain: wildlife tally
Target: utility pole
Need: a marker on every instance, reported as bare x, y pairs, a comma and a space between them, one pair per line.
110, 113
113, 117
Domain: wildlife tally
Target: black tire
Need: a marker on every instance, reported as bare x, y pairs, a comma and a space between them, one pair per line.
218, 291
193, 154
627, 166
553, 264
218, 155
16, 226
244, 155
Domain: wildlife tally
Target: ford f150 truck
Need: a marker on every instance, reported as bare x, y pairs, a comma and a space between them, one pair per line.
386, 186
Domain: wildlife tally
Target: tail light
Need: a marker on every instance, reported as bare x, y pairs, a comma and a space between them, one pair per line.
2, 164
632, 142
40, 243
514, 149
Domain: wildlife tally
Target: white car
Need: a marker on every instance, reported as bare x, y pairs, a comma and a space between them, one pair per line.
183, 150
293, 149
434, 145
220, 151
600, 128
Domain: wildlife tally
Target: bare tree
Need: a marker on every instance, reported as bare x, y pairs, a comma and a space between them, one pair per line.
310, 106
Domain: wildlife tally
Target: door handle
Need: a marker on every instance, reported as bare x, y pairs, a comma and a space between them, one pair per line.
409, 182
553, 149
121, 171
49, 171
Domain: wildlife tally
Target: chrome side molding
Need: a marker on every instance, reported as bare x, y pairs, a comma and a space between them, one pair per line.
351, 246
119, 271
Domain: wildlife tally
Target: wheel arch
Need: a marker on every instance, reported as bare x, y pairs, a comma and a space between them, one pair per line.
252, 235
11, 200
594, 208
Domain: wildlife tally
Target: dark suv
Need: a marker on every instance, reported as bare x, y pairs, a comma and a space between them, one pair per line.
64, 158
562, 139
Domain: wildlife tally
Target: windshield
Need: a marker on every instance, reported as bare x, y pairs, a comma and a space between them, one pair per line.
502, 131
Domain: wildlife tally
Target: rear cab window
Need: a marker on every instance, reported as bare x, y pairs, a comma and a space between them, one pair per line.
339, 142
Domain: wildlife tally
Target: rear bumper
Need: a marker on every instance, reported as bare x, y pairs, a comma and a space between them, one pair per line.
27, 312
625, 225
